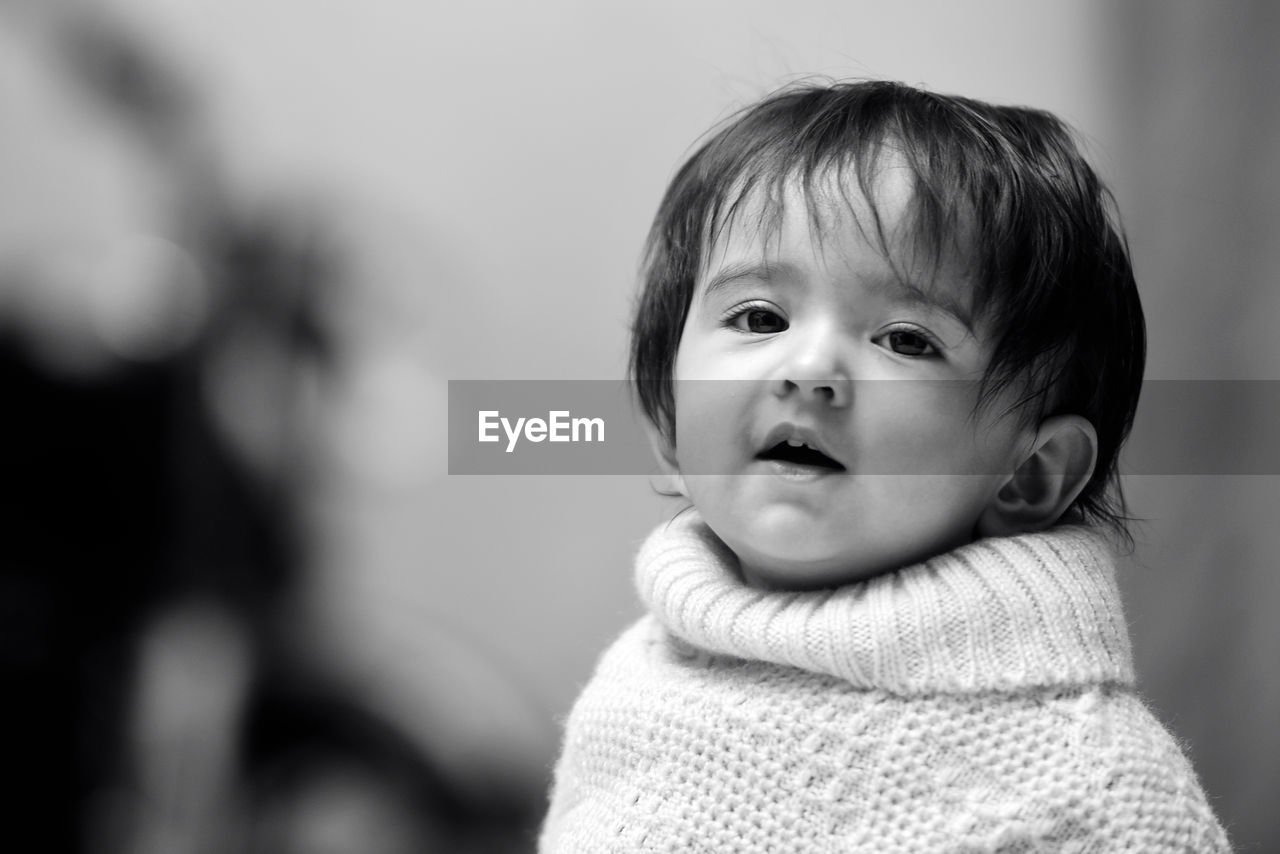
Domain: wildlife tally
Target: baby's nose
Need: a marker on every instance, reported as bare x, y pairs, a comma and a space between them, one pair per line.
816, 369
832, 391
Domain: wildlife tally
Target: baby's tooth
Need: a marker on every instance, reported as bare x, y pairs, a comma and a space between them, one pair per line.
795, 443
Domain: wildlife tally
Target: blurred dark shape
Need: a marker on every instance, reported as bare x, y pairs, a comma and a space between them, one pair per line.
125, 77
86, 502
155, 700
322, 763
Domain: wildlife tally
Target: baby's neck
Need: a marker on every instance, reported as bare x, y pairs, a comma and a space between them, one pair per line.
798, 576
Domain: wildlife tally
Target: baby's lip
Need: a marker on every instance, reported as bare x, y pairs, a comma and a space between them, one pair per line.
808, 446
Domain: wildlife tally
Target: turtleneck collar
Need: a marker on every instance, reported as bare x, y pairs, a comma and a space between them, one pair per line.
1000, 614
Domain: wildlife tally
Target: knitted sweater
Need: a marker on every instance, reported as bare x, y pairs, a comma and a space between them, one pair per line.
979, 702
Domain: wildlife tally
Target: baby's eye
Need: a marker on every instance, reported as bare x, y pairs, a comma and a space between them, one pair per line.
758, 319
908, 342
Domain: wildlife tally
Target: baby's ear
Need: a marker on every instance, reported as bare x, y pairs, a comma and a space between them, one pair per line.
1052, 474
668, 480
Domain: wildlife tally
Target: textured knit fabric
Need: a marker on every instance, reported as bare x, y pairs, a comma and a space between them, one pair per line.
979, 702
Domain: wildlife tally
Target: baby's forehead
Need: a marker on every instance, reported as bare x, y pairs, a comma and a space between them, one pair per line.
873, 228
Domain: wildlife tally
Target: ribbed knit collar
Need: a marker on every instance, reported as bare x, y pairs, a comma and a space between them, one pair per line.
1001, 614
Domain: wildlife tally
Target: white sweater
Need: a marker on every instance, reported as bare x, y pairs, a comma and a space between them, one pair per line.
979, 702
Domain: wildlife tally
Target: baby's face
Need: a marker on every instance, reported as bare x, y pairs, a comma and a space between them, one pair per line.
805, 337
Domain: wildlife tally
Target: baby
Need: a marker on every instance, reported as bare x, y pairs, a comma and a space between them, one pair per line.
890, 344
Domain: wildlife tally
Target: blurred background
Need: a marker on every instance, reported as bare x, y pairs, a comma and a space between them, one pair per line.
243, 246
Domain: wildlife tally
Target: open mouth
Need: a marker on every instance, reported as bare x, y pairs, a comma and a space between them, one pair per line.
800, 454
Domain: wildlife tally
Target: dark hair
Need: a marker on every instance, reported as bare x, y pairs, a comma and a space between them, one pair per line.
1004, 187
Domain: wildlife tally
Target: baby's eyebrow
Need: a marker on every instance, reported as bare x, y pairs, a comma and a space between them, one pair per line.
904, 291
754, 270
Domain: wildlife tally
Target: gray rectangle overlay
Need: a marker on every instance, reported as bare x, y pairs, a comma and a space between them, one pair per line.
577, 427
